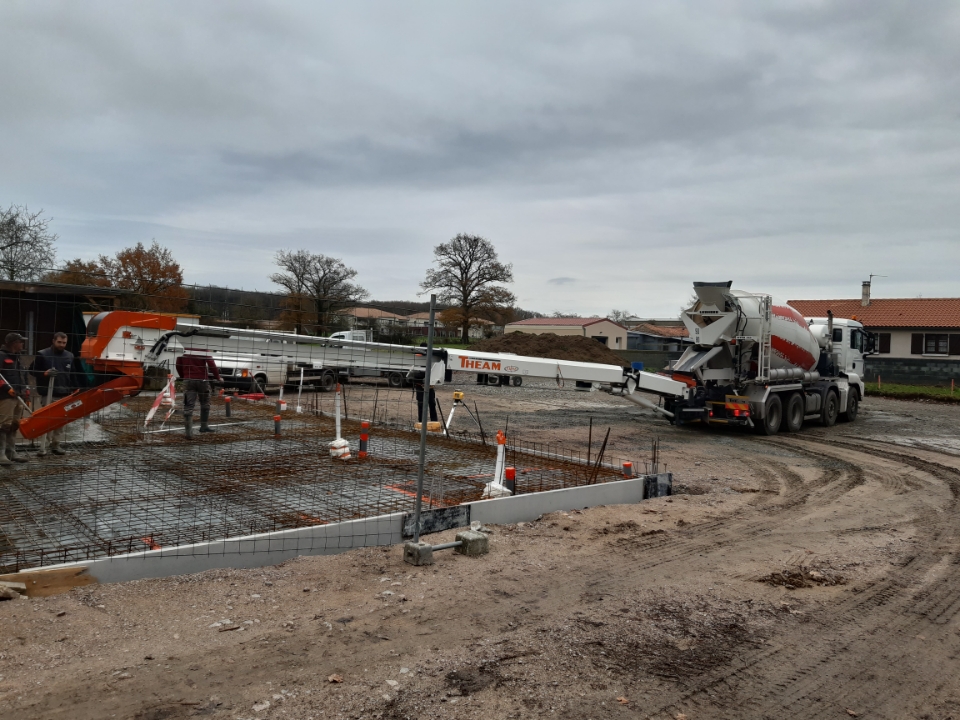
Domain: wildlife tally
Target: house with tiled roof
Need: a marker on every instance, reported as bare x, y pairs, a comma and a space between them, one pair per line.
658, 335
918, 339
604, 330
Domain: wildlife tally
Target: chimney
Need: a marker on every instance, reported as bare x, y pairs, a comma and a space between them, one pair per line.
865, 294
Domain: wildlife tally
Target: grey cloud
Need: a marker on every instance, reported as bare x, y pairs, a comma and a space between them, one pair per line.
616, 135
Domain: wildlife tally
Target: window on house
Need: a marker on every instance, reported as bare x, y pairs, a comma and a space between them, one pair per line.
955, 344
883, 343
936, 344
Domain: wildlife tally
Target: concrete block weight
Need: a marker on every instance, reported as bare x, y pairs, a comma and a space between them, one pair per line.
472, 543
420, 553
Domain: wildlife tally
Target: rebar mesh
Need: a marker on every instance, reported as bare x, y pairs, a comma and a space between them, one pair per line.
130, 490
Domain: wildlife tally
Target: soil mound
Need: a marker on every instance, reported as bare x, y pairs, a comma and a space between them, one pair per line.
560, 347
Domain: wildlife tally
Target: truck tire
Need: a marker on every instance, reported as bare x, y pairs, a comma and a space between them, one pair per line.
493, 379
853, 406
793, 416
772, 416
516, 381
395, 380
831, 409
261, 381
328, 381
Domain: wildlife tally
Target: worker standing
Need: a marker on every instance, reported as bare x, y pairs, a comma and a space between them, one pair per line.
53, 370
196, 370
14, 391
418, 383
418, 378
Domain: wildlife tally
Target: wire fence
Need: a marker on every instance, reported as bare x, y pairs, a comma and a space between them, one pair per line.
132, 480
125, 486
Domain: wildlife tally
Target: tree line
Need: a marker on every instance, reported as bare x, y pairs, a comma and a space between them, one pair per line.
468, 279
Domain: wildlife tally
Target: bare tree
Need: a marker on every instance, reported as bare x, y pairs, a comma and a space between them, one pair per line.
26, 244
295, 265
316, 285
619, 316
466, 277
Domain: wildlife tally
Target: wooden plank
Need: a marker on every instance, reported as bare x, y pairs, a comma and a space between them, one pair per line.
43, 583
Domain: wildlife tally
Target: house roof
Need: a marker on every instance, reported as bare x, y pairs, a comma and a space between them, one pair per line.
425, 316
365, 312
562, 322
665, 331
888, 312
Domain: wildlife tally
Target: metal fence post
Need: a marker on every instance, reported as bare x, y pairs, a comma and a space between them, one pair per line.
424, 417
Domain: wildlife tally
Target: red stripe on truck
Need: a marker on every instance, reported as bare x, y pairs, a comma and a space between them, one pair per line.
793, 354
788, 313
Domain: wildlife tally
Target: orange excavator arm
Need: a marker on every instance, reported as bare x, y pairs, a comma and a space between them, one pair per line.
127, 375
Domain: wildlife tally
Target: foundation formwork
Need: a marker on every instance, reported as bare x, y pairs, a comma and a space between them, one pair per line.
125, 487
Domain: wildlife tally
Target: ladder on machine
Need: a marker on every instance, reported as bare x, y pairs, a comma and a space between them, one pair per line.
766, 339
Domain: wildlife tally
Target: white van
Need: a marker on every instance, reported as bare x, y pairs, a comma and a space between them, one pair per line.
354, 335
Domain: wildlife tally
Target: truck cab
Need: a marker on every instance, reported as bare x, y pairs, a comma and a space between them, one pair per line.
848, 346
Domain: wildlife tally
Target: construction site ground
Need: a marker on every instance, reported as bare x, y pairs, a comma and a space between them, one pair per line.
814, 575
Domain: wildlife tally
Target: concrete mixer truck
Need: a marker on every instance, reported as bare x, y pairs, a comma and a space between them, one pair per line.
759, 363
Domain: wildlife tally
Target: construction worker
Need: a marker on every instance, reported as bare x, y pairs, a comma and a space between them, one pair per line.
14, 391
196, 371
418, 378
418, 381
53, 370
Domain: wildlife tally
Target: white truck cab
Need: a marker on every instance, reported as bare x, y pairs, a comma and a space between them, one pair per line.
849, 343
353, 335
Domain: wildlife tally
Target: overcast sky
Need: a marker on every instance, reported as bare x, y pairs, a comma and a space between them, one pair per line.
613, 152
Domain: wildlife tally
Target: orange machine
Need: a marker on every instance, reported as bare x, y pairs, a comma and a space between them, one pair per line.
125, 377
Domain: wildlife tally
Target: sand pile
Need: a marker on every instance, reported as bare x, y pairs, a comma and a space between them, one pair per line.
559, 347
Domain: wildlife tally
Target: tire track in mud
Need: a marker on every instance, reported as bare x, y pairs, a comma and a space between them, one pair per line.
861, 654
867, 622
802, 690
793, 495
898, 618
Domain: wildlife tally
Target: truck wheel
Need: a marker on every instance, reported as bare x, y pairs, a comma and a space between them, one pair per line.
516, 381
328, 381
493, 379
831, 409
261, 381
853, 406
796, 407
395, 380
773, 414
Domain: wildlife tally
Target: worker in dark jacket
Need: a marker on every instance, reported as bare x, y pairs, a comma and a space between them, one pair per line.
196, 370
53, 370
14, 391
418, 388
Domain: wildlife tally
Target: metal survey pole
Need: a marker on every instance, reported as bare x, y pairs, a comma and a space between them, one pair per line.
424, 416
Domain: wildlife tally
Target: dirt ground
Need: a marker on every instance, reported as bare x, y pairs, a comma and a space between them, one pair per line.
814, 575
